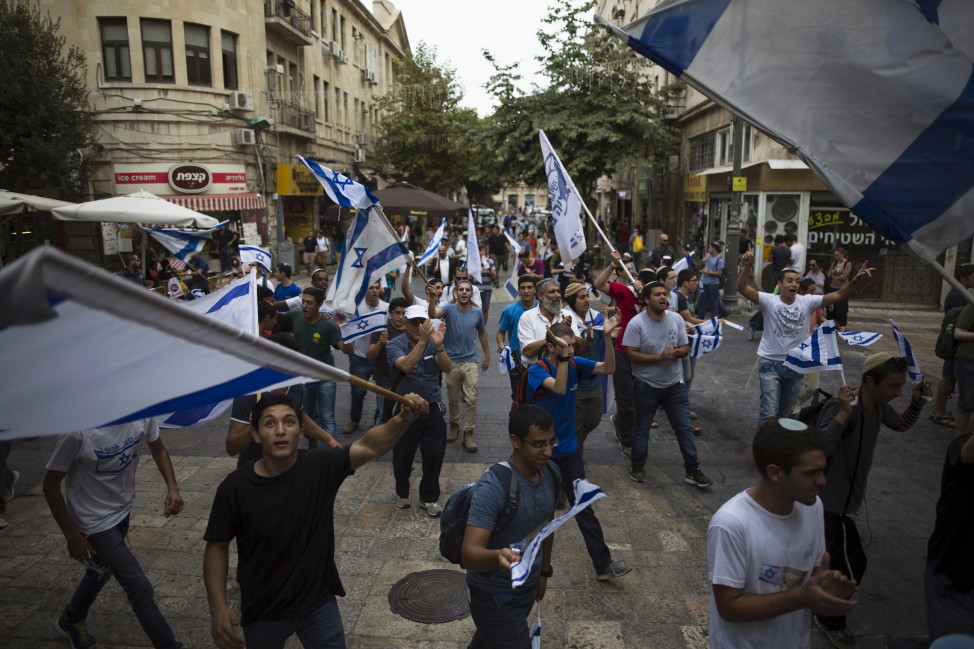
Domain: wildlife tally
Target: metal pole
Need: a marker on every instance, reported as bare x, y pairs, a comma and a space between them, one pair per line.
733, 237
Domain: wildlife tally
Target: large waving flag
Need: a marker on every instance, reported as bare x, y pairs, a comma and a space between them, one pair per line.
511, 284
91, 349
906, 351
566, 205
255, 255
818, 353
898, 148
473, 250
434, 244
706, 339
372, 247
183, 243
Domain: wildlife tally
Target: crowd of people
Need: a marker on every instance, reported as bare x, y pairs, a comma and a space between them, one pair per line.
780, 554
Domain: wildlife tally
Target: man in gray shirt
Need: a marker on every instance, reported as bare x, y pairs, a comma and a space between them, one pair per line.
655, 341
416, 361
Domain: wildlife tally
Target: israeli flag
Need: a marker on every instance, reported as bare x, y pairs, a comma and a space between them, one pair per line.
505, 360
363, 325
898, 149
515, 246
706, 339
340, 189
818, 353
860, 338
683, 263
434, 244
906, 351
183, 243
255, 255
566, 205
474, 266
586, 493
535, 631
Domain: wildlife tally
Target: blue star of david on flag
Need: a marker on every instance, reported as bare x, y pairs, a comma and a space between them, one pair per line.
359, 253
342, 190
363, 325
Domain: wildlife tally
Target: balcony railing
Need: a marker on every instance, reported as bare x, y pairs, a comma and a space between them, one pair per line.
293, 115
288, 11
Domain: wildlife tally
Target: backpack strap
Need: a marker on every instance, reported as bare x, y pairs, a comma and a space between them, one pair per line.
505, 473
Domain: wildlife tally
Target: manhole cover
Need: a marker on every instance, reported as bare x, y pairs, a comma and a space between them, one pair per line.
431, 596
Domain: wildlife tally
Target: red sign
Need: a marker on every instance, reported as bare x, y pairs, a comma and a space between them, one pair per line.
141, 178
190, 178
227, 179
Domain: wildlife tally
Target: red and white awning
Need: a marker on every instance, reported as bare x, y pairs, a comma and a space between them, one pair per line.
219, 202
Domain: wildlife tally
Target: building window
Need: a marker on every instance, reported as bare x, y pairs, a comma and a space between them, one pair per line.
115, 49
338, 106
317, 83
725, 146
325, 89
198, 71
323, 13
157, 49
334, 25
228, 42
702, 152
345, 108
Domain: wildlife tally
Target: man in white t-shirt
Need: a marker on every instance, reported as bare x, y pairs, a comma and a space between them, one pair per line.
766, 559
533, 326
358, 364
786, 318
797, 260
98, 468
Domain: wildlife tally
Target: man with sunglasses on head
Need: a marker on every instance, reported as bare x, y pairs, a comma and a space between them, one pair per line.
554, 384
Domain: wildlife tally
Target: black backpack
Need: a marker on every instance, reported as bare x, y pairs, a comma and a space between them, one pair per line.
524, 394
809, 414
453, 520
946, 345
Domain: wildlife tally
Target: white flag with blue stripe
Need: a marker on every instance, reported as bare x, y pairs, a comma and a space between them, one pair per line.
340, 189
706, 339
474, 266
535, 631
255, 255
566, 205
363, 325
906, 351
434, 244
859, 338
183, 243
92, 349
819, 352
683, 263
586, 493
871, 94
505, 360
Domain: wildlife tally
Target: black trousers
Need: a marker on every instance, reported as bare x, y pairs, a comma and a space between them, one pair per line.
846, 555
428, 434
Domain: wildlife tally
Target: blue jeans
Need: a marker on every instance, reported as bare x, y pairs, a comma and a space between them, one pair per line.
320, 629
573, 468
362, 368
501, 617
676, 405
709, 300
780, 388
114, 554
319, 403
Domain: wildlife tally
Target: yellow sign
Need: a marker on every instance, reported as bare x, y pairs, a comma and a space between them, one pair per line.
297, 180
823, 218
695, 188
740, 184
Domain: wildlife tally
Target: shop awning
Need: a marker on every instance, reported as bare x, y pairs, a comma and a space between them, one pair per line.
773, 164
219, 202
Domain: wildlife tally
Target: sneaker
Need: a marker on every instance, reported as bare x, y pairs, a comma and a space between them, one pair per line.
637, 475
838, 638
403, 503
615, 569
749, 333
697, 477
433, 509
350, 427
626, 451
8, 493
76, 633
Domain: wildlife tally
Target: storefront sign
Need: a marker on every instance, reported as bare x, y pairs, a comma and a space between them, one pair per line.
694, 188
833, 227
184, 178
297, 180
740, 184
190, 178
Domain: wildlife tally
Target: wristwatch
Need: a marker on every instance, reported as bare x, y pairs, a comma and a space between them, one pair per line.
562, 359
548, 573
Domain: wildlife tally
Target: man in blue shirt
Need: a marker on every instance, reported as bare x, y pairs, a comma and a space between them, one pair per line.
510, 317
555, 381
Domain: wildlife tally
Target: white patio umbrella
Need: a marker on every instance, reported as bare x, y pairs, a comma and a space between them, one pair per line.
141, 207
14, 203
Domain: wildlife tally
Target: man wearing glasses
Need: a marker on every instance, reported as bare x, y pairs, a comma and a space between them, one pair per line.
554, 382
664, 249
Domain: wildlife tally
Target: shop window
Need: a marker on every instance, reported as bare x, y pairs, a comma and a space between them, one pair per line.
157, 50
198, 70
115, 49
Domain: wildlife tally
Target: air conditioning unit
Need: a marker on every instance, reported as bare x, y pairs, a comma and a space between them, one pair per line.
334, 49
243, 137
372, 78
362, 139
342, 56
358, 155
242, 101
671, 112
365, 74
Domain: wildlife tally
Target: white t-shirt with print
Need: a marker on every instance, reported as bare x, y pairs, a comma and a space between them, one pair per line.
750, 548
785, 325
100, 465
532, 327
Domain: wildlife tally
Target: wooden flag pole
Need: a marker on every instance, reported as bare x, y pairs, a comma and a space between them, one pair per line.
606, 239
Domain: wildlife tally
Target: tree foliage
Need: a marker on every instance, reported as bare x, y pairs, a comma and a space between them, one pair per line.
426, 136
599, 110
45, 121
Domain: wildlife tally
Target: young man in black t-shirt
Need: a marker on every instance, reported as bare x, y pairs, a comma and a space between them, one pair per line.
280, 509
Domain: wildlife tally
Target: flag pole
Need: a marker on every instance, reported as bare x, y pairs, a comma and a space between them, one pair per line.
606, 239
382, 392
377, 207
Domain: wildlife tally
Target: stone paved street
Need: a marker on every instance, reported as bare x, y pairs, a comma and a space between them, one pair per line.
658, 527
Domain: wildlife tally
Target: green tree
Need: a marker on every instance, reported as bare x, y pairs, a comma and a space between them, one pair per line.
599, 109
45, 120
427, 137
